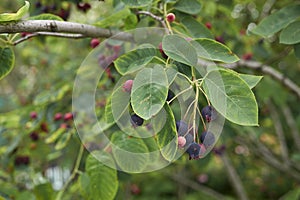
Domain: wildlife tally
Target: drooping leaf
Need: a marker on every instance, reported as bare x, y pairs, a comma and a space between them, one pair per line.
277, 21
113, 18
291, 34
179, 49
195, 28
46, 16
130, 153
149, 91
167, 137
6, 17
188, 6
135, 59
137, 3
103, 180
231, 97
7, 61
212, 50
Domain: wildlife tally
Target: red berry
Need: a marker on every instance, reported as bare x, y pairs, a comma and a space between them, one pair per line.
117, 48
162, 51
135, 189
44, 127
170, 17
24, 34
127, 86
68, 116
220, 39
83, 6
33, 115
181, 141
57, 116
247, 56
94, 42
64, 126
208, 25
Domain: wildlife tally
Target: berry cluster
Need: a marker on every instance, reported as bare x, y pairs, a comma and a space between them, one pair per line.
56, 9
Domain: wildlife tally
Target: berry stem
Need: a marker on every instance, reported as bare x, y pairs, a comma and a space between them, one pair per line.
167, 23
206, 97
201, 117
180, 93
195, 112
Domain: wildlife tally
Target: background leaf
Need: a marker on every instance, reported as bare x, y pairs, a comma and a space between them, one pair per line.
195, 28
188, 6
291, 34
212, 50
277, 21
149, 91
113, 18
5, 17
179, 49
46, 16
7, 61
251, 80
231, 97
137, 3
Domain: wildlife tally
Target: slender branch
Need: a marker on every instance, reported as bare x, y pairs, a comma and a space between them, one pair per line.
265, 69
234, 177
54, 26
290, 119
157, 18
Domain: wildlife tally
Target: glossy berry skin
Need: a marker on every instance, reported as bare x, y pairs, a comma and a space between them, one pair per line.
68, 116
127, 86
207, 138
94, 42
162, 51
209, 113
34, 136
136, 120
181, 141
33, 115
193, 151
58, 116
170, 17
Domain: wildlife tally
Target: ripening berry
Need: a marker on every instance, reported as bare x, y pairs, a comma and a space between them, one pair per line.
193, 151
34, 136
127, 86
207, 138
247, 56
181, 141
83, 6
208, 25
220, 39
58, 116
182, 128
94, 42
44, 127
209, 113
136, 120
68, 116
170, 17
135, 190
162, 51
22, 160
33, 115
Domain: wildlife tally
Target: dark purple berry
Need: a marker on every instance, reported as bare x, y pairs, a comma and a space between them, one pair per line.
209, 113
34, 136
189, 139
219, 150
207, 138
44, 127
193, 151
33, 115
182, 128
136, 120
170, 96
83, 6
22, 160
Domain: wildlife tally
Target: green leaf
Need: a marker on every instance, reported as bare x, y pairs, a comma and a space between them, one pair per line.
6, 17
292, 194
297, 50
232, 97
179, 49
130, 153
137, 3
149, 91
63, 140
212, 50
251, 80
51, 96
188, 6
167, 136
43, 191
103, 180
135, 59
277, 21
195, 28
7, 61
291, 34
46, 16
84, 183
113, 18
55, 135
171, 74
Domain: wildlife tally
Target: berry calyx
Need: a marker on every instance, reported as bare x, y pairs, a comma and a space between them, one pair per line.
58, 116
193, 151
33, 115
207, 138
127, 86
136, 120
170, 17
181, 141
68, 116
94, 42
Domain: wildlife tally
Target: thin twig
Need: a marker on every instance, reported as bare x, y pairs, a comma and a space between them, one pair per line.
157, 18
290, 119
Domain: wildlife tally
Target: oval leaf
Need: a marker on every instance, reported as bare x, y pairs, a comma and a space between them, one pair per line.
277, 21
188, 6
195, 28
130, 153
46, 16
149, 91
103, 180
231, 97
113, 18
135, 60
251, 80
6, 17
137, 3
212, 50
7, 61
179, 49
291, 34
